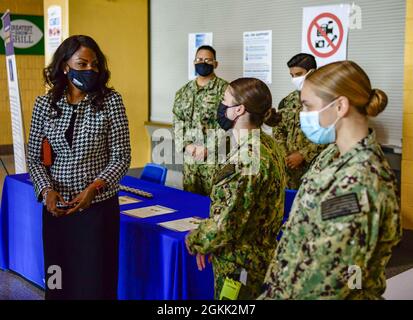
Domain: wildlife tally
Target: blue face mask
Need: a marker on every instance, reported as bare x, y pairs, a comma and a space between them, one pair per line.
310, 125
84, 80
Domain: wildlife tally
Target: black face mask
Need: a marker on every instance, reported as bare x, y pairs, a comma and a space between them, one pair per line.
204, 69
84, 80
223, 121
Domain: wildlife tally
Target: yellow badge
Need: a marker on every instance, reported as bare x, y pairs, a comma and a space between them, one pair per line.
230, 290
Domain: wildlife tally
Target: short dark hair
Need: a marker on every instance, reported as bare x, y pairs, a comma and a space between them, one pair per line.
208, 48
303, 60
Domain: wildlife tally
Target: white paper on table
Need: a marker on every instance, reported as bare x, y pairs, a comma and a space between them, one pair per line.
128, 200
182, 225
147, 212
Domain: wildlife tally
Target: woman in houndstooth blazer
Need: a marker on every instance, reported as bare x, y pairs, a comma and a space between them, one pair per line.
85, 124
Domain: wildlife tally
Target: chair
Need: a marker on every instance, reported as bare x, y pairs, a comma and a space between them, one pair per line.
288, 202
155, 173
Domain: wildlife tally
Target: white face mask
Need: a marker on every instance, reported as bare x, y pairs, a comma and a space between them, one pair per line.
298, 82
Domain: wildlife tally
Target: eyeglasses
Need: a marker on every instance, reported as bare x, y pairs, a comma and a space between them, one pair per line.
202, 60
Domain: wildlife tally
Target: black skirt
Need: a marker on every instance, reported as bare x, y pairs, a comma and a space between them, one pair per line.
81, 253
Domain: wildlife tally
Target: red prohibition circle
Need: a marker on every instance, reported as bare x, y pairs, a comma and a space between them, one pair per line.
334, 47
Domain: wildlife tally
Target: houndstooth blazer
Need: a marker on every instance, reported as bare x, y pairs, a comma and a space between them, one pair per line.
100, 148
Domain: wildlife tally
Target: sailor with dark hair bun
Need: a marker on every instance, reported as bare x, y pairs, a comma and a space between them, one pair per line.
247, 198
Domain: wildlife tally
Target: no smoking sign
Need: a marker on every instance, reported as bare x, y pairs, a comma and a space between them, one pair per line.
325, 32
325, 35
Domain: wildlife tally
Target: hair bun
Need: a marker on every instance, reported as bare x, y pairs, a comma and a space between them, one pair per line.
272, 117
377, 102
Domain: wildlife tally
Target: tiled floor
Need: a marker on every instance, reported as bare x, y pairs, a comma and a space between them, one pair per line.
13, 287
402, 258
400, 287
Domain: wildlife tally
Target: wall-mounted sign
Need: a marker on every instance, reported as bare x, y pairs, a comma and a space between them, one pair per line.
27, 34
325, 32
54, 29
257, 61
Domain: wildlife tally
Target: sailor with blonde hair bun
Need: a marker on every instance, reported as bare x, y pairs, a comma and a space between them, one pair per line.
345, 219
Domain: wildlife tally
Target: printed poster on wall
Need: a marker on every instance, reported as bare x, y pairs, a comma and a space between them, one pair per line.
14, 96
257, 57
195, 40
325, 32
54, 29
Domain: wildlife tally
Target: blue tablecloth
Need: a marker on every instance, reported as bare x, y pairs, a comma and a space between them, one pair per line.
153, 261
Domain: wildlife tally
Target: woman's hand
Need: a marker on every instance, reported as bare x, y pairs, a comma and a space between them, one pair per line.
200, 258
82, 200
52, 198
200, 261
